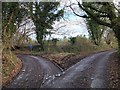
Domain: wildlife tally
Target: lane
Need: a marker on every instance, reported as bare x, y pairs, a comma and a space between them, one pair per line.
88, 73
49, 69
35, 72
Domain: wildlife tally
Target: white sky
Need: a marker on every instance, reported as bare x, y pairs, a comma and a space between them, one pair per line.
74, 24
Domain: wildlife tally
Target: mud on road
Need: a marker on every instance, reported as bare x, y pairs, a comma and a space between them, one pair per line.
34, 73
90, 72
37, 72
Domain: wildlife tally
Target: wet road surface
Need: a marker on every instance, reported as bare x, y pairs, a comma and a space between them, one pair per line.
34, 73
37, 72
90, 72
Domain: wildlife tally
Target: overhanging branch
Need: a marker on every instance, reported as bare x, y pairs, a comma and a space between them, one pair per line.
85, 16
94, 17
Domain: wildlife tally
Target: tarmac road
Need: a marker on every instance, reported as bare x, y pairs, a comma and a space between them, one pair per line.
37, 72
34, 73
90, 72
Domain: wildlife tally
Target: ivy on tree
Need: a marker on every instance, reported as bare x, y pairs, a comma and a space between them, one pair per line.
43, 15
105, 13
12, 15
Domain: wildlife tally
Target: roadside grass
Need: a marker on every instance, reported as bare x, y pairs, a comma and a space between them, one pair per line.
10, 66
66, 55
66, 60
63, 52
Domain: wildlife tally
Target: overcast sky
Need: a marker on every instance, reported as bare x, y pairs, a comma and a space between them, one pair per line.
74, 25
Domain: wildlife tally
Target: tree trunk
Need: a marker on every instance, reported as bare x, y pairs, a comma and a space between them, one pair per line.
6, 41
116, 30
40, 41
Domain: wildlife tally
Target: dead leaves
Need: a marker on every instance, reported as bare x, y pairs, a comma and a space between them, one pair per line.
10, 66
113, 70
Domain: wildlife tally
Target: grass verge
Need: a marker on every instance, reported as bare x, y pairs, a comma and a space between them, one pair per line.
10, 66
66, 60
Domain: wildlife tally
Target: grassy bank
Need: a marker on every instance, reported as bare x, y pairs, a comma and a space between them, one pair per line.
63, 52
10, 66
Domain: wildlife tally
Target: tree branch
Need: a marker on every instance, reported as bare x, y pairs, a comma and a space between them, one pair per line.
85, 16
93, 8
94, 17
